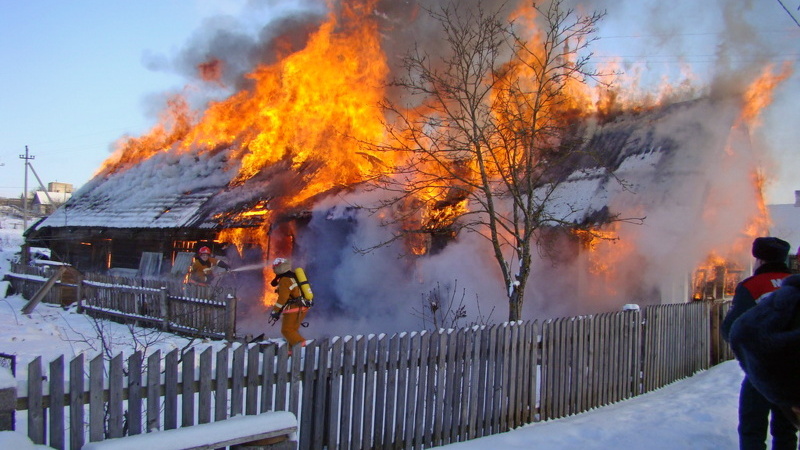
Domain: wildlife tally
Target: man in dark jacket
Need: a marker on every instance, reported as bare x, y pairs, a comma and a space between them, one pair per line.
754, 409
766, 340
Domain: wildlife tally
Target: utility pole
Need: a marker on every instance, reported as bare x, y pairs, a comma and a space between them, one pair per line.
27, 157
25, 253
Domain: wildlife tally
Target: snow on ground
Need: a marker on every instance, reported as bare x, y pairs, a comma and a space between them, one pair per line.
698, 413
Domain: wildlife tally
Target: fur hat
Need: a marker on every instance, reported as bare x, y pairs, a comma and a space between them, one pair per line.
766, 341
770, 249
281, 265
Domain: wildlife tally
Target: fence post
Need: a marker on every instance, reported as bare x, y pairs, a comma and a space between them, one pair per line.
8, 399
162, 300
230, 317
79, 293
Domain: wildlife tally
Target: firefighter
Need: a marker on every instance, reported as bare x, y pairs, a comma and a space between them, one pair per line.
289, 306
202, 269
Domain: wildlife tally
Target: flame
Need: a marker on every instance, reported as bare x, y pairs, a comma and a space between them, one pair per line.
759, 94
317, 104
716, 277
604, 253
312, 109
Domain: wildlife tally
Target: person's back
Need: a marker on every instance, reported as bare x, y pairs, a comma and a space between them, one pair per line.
754, 409
766, 341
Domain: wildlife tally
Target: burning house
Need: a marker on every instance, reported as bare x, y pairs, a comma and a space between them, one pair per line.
278, 168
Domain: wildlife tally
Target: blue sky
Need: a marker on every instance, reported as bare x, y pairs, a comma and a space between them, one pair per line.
76, 76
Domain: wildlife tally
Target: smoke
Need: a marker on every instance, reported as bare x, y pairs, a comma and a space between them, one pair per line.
688, 170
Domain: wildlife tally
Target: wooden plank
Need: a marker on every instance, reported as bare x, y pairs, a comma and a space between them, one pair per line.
135, 393
282, 379
337, 396
369, 393
56, 417
43, 291
545, 369
534, 383
382, 375
389, 431
345, 437
309, 385
187, 388
477, 383
601, 321
439, 391
295, 380
423, 376
76, 414
36, 411
358, 392
171, 390
204, 396
447, 388
267, 377
405, 412
498, 387
253, 382
638, 356
579, 366
464, 388
494, 387
153, 391
221, 390
525, 372
321, 394
96, 403
563, 365
237, 381
116, 393
513, 367
454, 395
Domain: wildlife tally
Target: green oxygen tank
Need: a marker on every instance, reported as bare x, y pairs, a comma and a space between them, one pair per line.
305, 287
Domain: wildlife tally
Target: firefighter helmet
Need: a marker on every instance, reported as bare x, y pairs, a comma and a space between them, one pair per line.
281, 265
204, 251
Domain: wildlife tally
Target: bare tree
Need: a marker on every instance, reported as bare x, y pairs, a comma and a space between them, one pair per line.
489, 139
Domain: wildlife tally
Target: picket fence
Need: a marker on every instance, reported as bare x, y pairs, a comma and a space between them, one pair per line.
410, 390
171, 305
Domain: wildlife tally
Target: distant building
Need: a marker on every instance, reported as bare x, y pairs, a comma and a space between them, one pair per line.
786, 224
46, 202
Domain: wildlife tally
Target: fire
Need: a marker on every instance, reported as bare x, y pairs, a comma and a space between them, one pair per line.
715, 278
313, 109
605, 253
760, 93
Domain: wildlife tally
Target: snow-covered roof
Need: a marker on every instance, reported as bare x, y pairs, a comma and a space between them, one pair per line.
169, 191
43, 198
196, 190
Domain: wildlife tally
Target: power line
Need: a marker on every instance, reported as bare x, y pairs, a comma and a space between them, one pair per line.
789, 12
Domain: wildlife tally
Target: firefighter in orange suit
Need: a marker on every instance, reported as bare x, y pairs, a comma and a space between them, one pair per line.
202, 269
288, 307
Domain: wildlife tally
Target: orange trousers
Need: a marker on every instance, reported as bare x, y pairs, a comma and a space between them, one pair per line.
290, 325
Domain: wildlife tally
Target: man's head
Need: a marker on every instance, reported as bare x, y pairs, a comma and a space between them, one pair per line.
281, 265
204, 253
770, 249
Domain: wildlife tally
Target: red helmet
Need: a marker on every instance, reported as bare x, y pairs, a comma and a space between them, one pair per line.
204, 251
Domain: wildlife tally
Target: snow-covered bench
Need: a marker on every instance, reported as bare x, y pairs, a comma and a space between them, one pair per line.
274, 430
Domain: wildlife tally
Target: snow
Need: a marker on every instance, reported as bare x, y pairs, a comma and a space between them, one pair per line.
699, 412
202, 434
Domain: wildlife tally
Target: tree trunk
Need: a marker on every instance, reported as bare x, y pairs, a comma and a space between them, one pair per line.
514, 306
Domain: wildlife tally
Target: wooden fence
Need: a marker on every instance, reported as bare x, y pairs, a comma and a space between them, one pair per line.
410, 390
171, 305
